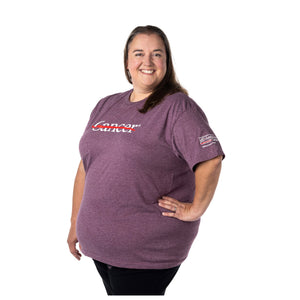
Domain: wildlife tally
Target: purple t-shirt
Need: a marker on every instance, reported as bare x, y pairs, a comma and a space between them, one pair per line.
131, 160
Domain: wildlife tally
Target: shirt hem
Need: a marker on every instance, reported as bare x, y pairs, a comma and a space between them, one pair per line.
154, 266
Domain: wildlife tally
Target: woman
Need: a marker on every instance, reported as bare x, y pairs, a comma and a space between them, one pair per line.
150, 166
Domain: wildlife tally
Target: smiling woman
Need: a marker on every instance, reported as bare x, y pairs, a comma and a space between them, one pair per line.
149, 167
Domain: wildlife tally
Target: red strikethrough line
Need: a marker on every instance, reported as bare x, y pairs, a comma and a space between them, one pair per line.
101, 126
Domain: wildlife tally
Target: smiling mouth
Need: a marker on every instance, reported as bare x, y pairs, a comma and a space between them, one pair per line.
147, 71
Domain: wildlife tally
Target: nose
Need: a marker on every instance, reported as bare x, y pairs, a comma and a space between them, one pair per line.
147, 60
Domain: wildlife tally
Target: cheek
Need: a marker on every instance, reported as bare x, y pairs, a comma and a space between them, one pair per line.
162, 66
133, 64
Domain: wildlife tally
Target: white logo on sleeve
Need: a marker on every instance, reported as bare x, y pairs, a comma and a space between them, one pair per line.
208, 140
114, 127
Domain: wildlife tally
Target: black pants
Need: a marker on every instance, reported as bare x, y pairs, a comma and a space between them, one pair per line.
121, 281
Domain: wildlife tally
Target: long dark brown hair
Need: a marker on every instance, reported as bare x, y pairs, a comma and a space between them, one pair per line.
169, 84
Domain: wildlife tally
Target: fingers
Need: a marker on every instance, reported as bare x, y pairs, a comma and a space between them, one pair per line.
169, 214
169, 201
72, 241
74, 250
177, 209
170, 204
77, 254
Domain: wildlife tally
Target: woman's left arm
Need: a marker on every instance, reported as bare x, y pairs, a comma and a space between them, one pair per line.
206, 179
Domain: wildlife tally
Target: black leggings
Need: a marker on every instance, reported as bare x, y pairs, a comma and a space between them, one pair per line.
121, 281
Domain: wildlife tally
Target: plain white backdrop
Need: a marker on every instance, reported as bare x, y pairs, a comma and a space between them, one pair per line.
238, 59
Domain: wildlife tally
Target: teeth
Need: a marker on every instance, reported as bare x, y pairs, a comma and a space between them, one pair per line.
147, 71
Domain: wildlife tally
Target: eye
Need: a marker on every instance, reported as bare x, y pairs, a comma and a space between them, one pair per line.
157, 55
138, 54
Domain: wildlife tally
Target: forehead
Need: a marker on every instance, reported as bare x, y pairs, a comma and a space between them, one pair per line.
147, 42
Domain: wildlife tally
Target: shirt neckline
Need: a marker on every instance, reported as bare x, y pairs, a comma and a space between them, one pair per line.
128, 102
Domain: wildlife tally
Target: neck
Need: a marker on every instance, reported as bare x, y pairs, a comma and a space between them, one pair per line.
138, 96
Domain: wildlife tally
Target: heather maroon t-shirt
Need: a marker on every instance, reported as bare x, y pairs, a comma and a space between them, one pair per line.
131, 160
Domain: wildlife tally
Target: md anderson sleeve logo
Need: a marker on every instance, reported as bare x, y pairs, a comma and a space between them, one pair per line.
115, 127
208, 140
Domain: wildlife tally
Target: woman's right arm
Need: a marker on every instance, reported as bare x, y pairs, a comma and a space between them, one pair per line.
77, 197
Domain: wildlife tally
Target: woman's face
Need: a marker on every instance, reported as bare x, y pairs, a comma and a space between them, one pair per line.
146, 62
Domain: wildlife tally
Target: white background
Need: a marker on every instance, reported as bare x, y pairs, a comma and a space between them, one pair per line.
238, 59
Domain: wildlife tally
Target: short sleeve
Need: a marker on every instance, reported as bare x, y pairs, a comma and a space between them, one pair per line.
193, 139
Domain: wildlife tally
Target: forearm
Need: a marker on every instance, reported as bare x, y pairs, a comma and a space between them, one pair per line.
78, 192
206, 180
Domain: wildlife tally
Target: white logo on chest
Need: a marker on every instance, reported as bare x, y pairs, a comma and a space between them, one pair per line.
114, 127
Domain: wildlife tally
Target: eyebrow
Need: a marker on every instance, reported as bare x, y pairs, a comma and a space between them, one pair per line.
141, 50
